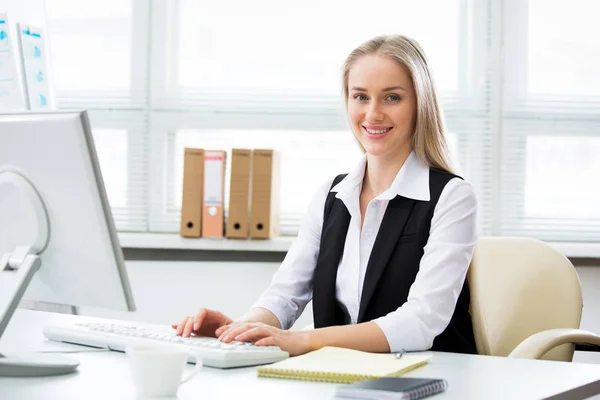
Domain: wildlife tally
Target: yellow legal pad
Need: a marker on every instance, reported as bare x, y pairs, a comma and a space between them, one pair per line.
334, 364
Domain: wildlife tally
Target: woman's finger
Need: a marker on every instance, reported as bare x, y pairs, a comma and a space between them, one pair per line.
189, 326
234, 331
181, 326
226, 329
256, 333
223, 328
269, 341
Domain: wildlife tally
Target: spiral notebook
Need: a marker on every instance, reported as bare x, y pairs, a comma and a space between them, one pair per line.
392, 388
339, 365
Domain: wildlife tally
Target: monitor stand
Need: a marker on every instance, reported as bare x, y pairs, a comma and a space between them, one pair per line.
48, 307
16, 271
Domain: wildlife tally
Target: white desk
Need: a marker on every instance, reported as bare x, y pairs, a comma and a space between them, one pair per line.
105, 375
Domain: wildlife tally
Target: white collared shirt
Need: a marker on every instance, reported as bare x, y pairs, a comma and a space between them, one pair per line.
442, 270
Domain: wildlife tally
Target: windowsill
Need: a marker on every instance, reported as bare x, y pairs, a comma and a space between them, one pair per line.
173, 241
577, 250
282, 244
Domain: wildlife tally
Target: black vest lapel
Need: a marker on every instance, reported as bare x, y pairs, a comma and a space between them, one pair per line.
333, 239
393, 224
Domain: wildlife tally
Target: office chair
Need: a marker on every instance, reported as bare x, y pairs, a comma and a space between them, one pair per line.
525, 300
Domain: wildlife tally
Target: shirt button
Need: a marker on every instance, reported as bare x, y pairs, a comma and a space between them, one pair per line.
373, 205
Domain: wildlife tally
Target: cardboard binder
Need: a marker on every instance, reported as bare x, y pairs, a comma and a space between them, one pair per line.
192, 195
214, 182
238, 217
264, 212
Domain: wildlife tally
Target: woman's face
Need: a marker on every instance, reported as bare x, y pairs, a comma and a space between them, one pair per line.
381, 105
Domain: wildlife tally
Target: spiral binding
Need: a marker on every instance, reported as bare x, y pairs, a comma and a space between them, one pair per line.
304, 375
428, 390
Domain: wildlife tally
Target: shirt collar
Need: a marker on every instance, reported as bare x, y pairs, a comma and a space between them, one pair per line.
412, 181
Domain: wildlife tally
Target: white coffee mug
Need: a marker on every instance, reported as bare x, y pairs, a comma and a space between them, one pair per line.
157, 369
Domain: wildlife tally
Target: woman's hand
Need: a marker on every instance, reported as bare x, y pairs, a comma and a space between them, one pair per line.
294, 342
204, 323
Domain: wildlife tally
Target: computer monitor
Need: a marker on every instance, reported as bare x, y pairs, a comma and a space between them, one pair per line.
55, 220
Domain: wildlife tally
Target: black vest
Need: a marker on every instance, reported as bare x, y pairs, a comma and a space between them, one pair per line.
392, 266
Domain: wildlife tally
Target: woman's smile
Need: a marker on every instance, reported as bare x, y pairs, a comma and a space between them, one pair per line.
376, 132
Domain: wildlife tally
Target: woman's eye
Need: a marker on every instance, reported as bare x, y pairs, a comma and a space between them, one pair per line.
393, 97
360, 97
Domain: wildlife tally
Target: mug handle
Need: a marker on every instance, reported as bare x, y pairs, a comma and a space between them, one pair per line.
196, 369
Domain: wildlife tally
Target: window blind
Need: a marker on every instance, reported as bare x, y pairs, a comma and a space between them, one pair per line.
99, 61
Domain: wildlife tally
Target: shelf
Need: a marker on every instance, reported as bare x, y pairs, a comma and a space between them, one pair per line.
174, 241
577, 250
282, 244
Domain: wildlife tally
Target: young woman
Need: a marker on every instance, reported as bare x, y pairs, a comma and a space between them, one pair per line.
383, 251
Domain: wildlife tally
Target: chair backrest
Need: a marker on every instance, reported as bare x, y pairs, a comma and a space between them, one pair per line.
521, 286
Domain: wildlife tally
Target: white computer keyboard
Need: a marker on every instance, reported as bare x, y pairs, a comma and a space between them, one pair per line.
117, 336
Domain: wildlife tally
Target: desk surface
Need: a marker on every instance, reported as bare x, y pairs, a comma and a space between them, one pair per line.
105, 375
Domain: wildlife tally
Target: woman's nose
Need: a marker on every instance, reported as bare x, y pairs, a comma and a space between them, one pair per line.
374, 113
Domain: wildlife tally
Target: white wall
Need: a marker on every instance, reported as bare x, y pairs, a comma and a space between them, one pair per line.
590, 321
166, 291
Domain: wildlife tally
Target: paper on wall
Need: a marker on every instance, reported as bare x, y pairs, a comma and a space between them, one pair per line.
11, 97
33, 55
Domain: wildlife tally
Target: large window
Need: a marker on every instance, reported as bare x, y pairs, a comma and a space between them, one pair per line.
551, 126
520, 97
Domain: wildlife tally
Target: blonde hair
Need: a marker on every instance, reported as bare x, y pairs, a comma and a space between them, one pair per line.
429, 139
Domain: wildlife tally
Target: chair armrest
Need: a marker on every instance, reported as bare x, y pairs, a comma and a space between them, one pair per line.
587, 347
538, 344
